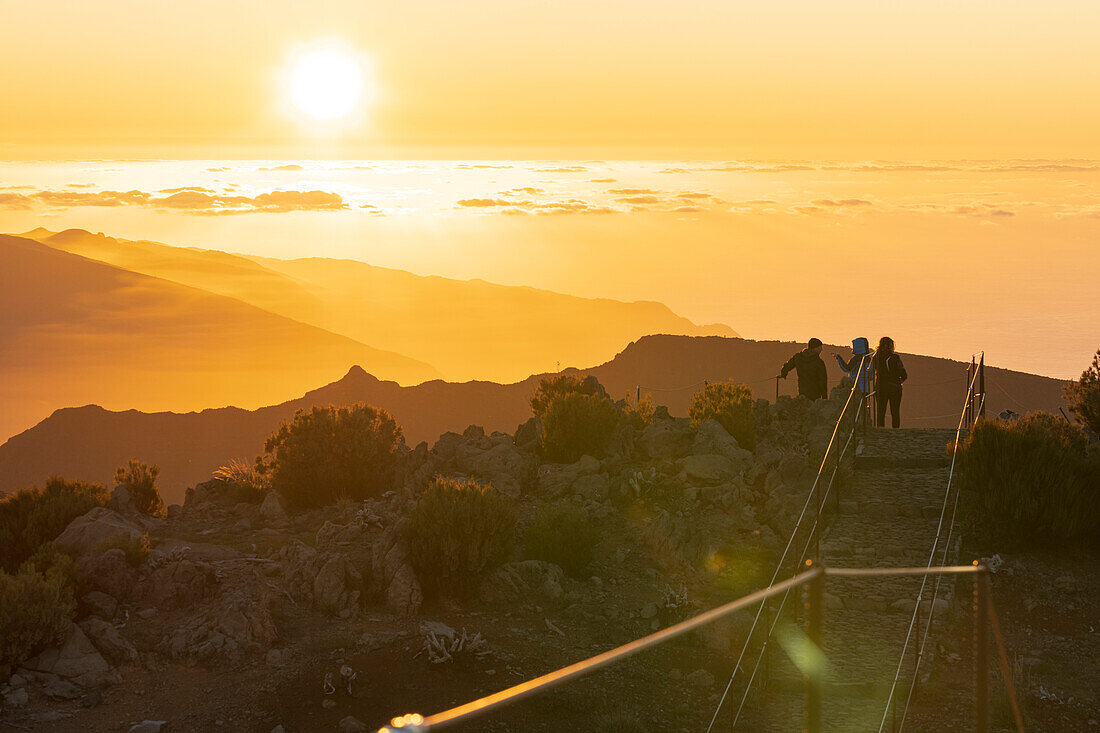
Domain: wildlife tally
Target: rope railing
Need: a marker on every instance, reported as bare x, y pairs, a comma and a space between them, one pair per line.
914, 621
779, 566
415, 723
814, 578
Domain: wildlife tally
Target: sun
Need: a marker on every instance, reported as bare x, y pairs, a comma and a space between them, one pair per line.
328, 83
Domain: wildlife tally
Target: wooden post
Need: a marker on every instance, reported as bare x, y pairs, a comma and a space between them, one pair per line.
981, 652
815, 665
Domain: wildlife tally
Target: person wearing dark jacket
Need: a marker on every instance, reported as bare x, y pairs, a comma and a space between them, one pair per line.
889, 373
813, 382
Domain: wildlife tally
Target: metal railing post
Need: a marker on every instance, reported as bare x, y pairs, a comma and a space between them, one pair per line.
981, 386
981, 651
815, 663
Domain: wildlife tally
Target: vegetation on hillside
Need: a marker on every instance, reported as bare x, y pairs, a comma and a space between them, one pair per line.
1084, 396
564, 535
332, 453
140, 479
31, 517
578, 417
458, 531
731, 405
1030, 481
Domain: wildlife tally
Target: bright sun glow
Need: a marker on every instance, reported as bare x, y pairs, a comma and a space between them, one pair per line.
327, 83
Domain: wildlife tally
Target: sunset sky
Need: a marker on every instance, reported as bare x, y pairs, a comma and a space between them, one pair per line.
796, 169
573, 78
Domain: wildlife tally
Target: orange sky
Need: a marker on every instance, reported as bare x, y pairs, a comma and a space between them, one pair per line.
488, 78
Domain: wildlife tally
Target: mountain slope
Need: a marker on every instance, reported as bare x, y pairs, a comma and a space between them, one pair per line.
88, 442
73, 331
469, 329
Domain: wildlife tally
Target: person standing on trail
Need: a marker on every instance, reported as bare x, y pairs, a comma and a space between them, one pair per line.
863, 375
813, 381
891, 373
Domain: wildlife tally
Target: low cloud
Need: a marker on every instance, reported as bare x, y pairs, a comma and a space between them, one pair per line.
287, 167
641, 200
840, 202
15, 201
484, 203
189, 199
563, 169
631, 191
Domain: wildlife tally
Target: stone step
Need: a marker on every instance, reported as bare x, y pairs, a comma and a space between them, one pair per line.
873, 462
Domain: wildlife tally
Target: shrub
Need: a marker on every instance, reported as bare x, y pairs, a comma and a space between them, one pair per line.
31, 517
731, 405
246, 481
577, 424
642, 413
51, 558
1031, 480
458, 531
564, 535
332, 452
1084, 396
135, 547
35, 612
552, 388
140, 479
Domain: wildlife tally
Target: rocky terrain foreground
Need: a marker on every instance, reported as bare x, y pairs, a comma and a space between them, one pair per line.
245, 616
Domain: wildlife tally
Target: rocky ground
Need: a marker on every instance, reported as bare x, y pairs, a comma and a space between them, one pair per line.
247, 617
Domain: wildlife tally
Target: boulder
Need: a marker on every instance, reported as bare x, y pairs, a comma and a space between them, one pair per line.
712, 438
180, 583
523, 580
87, 534
77, 662
110, 643
393, 574
225, 629
666, 439
708, 469
108, 574
336, 588
299, 563
273, 508
527, 434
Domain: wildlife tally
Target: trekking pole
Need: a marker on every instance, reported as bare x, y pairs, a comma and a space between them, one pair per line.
777, 378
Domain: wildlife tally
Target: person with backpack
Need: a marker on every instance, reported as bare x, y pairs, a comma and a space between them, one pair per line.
813, 381
859, 367
890, 373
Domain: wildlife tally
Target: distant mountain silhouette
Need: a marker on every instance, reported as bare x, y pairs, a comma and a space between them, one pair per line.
468, 329
89, 442
75, 330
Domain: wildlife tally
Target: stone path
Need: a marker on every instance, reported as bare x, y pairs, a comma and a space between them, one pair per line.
888, 512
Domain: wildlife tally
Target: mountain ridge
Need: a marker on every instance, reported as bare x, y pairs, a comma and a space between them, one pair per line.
189, 446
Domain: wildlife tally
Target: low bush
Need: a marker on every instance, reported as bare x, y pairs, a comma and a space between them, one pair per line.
1032, 480
552, 388
51, 558
135, 547
1084, 396
35, 612
731, 405
246, 481
140, 479
31, 517
459, 530
331, 453
564, 535
578, 424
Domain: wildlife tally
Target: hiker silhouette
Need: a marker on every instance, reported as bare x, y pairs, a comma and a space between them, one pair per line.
813, 381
